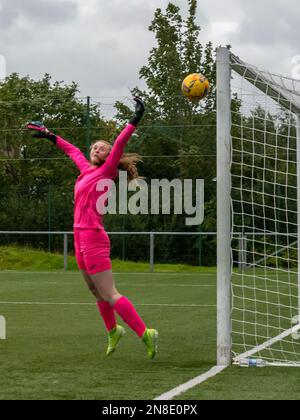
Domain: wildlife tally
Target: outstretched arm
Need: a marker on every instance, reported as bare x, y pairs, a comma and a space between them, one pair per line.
73, 152
112, 162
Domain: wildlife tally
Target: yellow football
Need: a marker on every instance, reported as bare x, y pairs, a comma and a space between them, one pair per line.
195, 86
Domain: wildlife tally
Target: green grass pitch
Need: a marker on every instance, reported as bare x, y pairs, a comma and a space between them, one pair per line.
56, 341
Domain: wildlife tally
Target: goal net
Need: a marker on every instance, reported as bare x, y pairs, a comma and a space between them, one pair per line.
265, 215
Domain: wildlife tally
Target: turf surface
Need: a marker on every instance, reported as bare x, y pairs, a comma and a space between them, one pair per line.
56, 342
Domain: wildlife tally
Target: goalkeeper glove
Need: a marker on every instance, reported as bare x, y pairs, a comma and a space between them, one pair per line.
139, 111
41, 131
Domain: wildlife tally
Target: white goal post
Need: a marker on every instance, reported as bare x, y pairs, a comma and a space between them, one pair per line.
258, 209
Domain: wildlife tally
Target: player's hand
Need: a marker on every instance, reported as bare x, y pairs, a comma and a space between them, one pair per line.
139, 111
139, 106
41, 131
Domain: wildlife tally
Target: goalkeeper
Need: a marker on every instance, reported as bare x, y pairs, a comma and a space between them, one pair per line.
92, 244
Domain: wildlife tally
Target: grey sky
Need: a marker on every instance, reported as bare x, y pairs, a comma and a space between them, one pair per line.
102, 44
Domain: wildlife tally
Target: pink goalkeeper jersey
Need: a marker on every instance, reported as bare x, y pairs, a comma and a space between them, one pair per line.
86, 215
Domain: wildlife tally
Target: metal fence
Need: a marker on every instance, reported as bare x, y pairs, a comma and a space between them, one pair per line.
150, 248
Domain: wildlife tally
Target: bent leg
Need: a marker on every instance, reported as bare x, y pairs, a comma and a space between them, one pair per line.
91, 285
105, 309
105, 285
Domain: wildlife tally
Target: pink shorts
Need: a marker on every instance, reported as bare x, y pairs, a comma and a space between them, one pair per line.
92, 250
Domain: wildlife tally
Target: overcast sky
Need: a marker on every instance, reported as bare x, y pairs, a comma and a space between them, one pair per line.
102, 44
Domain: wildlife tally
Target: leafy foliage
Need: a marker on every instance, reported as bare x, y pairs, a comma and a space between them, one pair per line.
176, 138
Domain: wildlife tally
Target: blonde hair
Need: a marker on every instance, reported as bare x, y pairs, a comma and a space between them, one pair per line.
128, 162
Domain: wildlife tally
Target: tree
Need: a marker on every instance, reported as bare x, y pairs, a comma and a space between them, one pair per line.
176, 137
173, 126
170, 121
31, 187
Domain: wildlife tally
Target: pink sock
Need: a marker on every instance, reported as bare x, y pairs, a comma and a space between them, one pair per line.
127, 312
108, 314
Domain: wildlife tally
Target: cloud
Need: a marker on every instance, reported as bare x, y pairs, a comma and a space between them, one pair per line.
269, 23
102, 44
37, 11
102, 49
264, 33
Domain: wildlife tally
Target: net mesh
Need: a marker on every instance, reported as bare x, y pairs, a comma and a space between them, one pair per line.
265, 284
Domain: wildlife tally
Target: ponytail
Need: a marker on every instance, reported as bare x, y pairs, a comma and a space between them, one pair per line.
128, 163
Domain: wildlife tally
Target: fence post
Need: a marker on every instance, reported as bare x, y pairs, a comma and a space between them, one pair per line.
49, 216
151, 252
242, 252
65, 251
123, 240
200, 248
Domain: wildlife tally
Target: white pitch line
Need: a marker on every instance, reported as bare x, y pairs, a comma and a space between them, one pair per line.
93, 304
191, 384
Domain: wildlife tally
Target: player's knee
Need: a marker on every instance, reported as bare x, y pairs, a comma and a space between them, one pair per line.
113, 297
